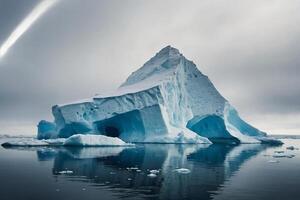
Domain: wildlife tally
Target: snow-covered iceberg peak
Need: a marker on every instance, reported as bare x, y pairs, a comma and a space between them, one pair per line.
164, 60
167, 100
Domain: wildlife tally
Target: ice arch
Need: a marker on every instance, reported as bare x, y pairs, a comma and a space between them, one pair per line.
211, 127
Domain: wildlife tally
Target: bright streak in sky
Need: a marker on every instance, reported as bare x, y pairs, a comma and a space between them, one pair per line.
38, 10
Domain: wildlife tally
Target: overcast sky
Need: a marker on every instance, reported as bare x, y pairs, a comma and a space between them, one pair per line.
249, 50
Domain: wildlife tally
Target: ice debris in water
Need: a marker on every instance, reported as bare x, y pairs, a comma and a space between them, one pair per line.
283, 155
279, 151
292, 148
151, 175
154, 171
66, 172
273, 161
183, 171
132, 168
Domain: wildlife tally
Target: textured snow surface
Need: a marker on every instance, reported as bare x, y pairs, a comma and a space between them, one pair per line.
94, 140
167, 100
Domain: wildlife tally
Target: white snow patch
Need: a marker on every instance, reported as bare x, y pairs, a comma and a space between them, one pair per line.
94, 140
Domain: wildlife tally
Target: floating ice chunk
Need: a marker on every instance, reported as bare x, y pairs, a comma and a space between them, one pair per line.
66, 172
30, 142
25, 142
283, 155
269, 140
290, 156
154, 171
292, 148
94, 140
152, 175
266, 155
132, 168
75, 140
279, 151
273, 161
183, 171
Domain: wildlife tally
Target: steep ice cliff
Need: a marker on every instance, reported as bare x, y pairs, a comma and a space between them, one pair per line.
167, 100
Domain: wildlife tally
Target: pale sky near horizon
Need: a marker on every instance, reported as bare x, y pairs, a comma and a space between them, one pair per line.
75, 49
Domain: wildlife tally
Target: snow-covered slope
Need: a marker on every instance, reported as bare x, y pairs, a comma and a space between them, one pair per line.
167, 100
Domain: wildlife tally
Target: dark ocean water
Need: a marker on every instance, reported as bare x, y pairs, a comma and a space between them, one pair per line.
216, 172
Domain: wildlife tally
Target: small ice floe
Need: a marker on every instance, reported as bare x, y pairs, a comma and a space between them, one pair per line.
112, 173
154, 171
129, 179
266, 155
182, 171
83, 189
57, 190
273, 161
283, 155
25, 142
66, 172
151, 175
292, 148
278, 151
132, 168
138, 170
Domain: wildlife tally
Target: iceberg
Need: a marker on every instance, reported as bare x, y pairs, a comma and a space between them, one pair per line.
167, 100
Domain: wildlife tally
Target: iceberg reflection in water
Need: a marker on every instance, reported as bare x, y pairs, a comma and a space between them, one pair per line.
125, 171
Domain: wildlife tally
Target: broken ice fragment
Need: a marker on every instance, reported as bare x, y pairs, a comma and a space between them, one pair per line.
182, 171
151, 175
66, 172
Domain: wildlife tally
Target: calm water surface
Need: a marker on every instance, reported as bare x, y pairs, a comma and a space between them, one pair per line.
217, 172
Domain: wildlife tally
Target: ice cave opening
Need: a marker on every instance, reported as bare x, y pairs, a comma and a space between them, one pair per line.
126, 126
112, 131
213, 128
